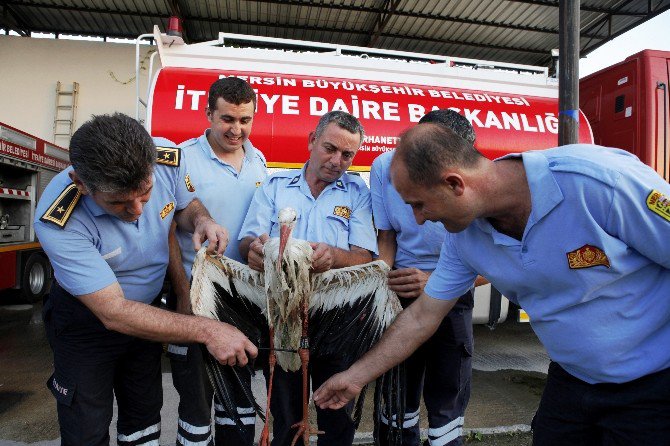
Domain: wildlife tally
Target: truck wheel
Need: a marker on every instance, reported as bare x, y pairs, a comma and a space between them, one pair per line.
36, 278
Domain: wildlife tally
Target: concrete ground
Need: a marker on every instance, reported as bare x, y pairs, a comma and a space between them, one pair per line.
509, 375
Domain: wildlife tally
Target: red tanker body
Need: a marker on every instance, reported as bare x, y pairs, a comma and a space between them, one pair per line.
627, 106
513, 108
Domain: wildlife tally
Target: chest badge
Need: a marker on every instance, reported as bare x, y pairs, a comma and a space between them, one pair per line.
342, 211
189, 185
167, 209
586, 257
258, 183
659, 204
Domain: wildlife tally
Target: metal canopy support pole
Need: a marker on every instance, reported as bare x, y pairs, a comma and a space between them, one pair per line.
568, 72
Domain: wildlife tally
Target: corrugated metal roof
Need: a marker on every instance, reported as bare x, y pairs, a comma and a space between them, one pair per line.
517, 31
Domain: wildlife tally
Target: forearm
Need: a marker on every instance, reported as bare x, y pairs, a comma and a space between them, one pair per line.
188, 218
142, 320
412, 327
354, 256
177, 275
387, 244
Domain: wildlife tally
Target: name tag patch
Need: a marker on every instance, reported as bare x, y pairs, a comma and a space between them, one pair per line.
342, 211
659, 204
62, 391
167, 209
586, 257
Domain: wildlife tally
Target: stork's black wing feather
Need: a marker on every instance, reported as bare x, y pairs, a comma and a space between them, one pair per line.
230, 292
349, 310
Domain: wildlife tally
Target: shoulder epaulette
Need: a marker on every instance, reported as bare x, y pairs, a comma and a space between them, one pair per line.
170, 156
61, 209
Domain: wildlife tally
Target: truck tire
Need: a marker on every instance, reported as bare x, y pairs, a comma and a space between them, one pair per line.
35, 279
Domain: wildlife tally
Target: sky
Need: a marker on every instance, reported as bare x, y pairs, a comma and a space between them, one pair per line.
654, 34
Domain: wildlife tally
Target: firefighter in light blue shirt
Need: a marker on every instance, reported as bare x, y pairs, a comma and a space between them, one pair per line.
441, 368
225, 171
104, 224
334, 214
575, 235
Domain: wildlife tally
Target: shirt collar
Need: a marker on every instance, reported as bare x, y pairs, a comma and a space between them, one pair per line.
545, 194
249, 149
299, 179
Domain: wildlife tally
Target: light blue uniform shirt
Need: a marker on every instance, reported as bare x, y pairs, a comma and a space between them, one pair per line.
225, 193
592, 268
418, 246
340, 216
95, 249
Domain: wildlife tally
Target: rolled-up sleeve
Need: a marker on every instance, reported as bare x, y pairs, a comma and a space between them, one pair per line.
451, 278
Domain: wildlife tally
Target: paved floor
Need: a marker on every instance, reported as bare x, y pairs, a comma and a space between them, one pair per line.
509, 376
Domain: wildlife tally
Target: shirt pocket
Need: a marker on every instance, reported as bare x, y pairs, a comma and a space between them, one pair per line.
113, 257
338, 231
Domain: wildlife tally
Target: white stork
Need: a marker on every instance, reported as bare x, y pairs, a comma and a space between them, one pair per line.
349, 308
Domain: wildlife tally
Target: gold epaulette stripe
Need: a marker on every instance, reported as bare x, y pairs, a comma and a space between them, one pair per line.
168, 156
60, 210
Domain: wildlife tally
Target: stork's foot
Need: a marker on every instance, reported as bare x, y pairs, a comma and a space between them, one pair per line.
304, 430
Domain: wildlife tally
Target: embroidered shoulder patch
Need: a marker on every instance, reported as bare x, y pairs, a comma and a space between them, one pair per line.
168, 156
586, 257
61, 209
167, 209
189, 185
342, 211
659, 204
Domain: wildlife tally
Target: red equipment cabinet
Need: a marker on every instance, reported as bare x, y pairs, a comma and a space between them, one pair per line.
27, 164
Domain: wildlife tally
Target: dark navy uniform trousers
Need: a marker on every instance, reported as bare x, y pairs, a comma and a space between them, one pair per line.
91, 365
575, 413
195, 402
442, 368
286, 405
195, 390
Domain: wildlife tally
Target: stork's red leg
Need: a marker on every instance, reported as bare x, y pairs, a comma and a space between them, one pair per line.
304, 428
264, 439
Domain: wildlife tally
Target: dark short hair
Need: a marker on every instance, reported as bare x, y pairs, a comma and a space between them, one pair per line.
452, 119
343, 120
427, 149
232, 90
112, 153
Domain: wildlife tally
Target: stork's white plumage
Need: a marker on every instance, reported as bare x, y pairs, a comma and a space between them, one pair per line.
287, 282
349, 308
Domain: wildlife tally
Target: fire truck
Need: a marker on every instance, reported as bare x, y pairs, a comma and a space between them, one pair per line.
513, 108
27, 164
627, 105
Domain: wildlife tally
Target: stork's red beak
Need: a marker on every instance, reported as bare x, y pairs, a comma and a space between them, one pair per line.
284, 236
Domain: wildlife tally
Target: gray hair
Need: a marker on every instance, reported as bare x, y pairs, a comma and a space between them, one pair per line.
427, 149
112, 154
343, 120
453, 120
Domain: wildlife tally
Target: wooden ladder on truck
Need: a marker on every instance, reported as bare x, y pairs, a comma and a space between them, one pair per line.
65, 114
